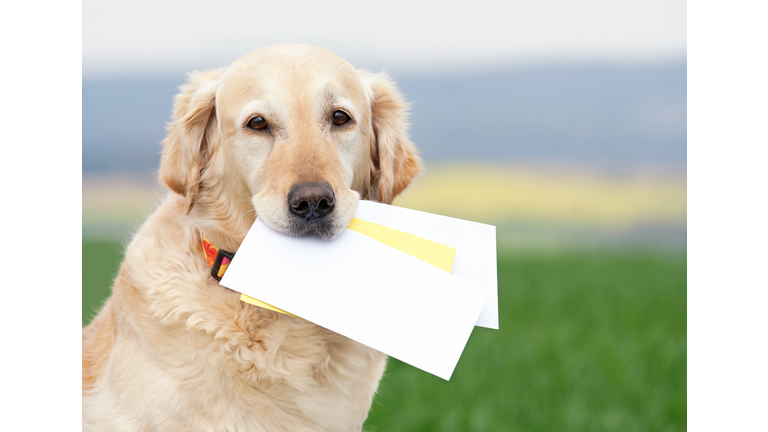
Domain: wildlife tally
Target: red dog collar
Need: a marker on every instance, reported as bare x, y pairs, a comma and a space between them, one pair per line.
217, 258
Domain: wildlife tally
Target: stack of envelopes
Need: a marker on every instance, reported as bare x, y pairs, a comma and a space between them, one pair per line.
410, 284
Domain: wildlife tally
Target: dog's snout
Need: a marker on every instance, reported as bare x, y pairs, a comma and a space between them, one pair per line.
311, 201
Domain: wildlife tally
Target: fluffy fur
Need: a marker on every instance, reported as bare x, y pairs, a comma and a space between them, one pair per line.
172, 350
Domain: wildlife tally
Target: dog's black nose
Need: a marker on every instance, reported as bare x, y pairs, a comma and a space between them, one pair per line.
311, 201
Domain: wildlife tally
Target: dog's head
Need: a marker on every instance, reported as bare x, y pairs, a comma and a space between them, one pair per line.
293, 132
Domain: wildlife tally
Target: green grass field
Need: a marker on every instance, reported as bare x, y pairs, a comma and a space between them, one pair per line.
588, 342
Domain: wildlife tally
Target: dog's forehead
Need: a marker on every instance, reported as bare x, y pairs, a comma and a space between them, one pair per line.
283, 74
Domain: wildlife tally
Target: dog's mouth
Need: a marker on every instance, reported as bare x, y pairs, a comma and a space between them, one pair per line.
326, 228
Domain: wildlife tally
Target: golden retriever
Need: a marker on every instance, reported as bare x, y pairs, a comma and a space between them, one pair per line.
295, 135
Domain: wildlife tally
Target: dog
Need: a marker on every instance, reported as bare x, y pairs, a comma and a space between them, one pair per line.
296, 135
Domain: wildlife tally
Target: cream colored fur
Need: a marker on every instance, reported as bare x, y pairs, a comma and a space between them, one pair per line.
172, 350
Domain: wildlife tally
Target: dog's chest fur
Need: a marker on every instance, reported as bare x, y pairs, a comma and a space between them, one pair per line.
174, 351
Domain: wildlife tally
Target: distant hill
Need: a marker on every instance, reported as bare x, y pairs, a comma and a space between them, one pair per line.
607, 117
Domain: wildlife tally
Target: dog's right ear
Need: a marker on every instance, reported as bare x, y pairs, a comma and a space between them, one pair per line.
187, 147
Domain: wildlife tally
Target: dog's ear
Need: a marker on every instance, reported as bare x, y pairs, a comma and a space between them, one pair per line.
188, 145
395, 160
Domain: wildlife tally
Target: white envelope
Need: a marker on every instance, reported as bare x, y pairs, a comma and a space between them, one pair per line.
362, 289
373, 293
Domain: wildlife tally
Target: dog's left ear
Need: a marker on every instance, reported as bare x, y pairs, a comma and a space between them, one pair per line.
394, 159
191, 135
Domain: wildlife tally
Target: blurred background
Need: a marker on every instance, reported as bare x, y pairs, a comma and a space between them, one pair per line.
562, 123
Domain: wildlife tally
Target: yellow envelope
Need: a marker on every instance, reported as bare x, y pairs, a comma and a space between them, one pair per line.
439, 255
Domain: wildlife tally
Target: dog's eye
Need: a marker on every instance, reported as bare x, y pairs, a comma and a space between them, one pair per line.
257, 123
340, 117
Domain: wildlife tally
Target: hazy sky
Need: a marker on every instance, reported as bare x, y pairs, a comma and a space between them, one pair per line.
170, 37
